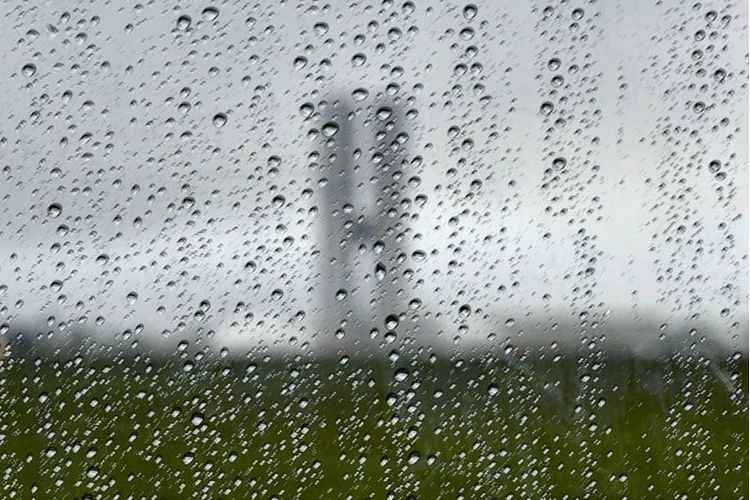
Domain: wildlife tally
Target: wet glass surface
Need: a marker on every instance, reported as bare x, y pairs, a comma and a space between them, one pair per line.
374, 249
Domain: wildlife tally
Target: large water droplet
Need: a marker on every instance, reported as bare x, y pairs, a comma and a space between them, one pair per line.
330, 129
54, 210
219, 120
183, 23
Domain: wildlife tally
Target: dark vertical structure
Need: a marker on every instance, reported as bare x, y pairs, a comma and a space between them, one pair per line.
336, 166
363, 222
388, 213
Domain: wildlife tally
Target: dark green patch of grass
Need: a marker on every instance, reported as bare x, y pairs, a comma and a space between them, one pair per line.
479, 429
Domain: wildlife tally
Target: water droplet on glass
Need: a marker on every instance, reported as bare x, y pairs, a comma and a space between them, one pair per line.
28, 70
391, 322
400, 375
380, 271
300, 62
470, 11
54, 210
559, 163
359, 59
320, 29
464, 311
330, 129
306, 110
360, 94
183, 23
219, 120
210, 13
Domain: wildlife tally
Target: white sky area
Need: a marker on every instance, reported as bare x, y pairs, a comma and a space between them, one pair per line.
671, 239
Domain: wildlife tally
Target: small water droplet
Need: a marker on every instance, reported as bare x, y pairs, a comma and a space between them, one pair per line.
28, 70
219, 120
400, 374
470, 11
360, 94
380, 271
559, 163
391, 322
359, 59
464, 311
300, 62
330, 129
210, 13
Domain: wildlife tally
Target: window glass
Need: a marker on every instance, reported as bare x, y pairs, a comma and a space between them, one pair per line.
374, 249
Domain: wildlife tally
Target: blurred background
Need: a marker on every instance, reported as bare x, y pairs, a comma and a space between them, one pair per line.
226, 174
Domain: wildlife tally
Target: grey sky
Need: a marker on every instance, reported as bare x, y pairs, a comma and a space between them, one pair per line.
180, 205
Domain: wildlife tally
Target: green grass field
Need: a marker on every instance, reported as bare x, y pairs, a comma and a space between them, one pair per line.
577, 428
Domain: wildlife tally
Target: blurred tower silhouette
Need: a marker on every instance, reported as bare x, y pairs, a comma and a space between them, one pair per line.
363, 224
